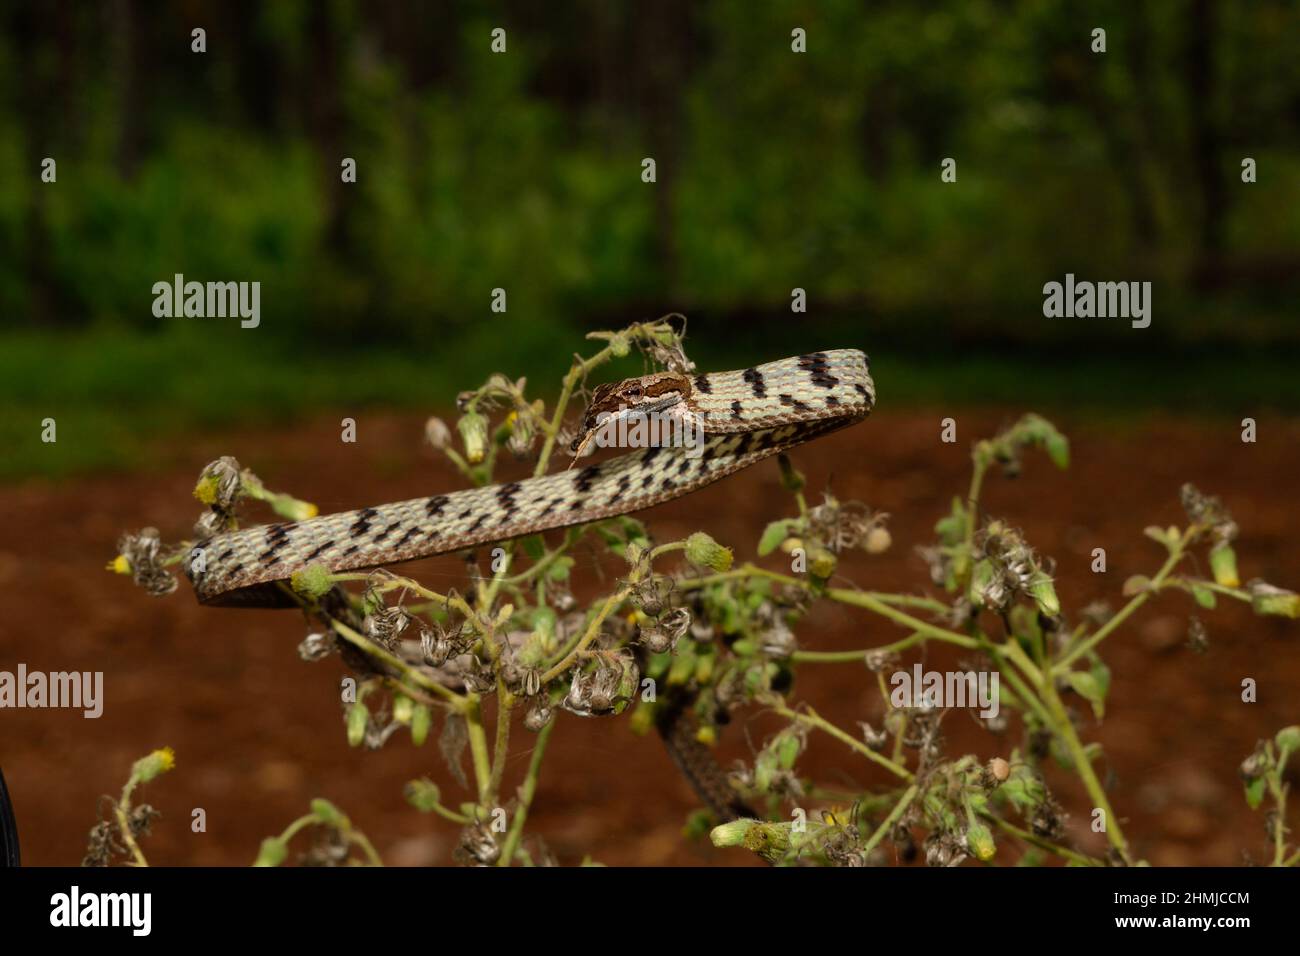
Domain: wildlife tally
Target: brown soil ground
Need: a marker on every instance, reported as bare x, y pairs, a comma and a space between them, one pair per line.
258, 733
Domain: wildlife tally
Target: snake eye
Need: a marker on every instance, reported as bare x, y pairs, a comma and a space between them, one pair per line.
633, 392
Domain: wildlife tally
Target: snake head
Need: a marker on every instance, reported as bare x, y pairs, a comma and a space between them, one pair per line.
643, 395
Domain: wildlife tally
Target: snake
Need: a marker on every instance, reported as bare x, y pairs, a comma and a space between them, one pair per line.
737, 418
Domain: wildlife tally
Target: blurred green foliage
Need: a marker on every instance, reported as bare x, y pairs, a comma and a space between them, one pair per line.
522, 171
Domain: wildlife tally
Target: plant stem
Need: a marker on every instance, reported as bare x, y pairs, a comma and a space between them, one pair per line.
812, 719
849, 657
363, 841
409, 673
894, 816
979, 465
478, 747
1083, 766
122, 810
1279, 791
505, 704
593, 630
526, 791
864, 600
1126, 611
1042, 844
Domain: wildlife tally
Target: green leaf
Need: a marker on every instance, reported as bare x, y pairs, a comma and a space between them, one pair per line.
534, 546
1102, 674
1204, 596
952, 529
1157, 534
1255, 790
1136, 585
1058, 449
560, 568
1087, 686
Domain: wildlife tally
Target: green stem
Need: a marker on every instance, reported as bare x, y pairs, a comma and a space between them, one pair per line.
812, 719
1279, 791
593, 630
526, 792
1042, 844
478, 747
363, 841
862, 599
410, 674
1125, 612
894, 816
850, 657
505, 704
1083, 766
979, 465
122, 811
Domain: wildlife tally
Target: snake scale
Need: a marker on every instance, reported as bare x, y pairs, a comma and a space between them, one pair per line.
745, 415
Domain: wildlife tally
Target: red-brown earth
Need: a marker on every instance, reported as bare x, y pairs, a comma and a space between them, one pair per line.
258, 732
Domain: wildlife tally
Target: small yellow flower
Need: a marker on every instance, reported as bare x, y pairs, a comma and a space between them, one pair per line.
206, 489
119, 565
158, 762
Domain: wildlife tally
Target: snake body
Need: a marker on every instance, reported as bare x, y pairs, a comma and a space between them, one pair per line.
746, 415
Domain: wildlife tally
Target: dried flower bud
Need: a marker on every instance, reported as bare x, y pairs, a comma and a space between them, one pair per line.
523, 432
139, 554
436, 433
999, 769
219, 484
656, 640
539, 715
477, 847
386, 625
315, 647
878, 661
877, 541
213, 522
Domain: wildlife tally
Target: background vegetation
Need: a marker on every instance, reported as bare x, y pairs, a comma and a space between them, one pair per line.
522, 171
